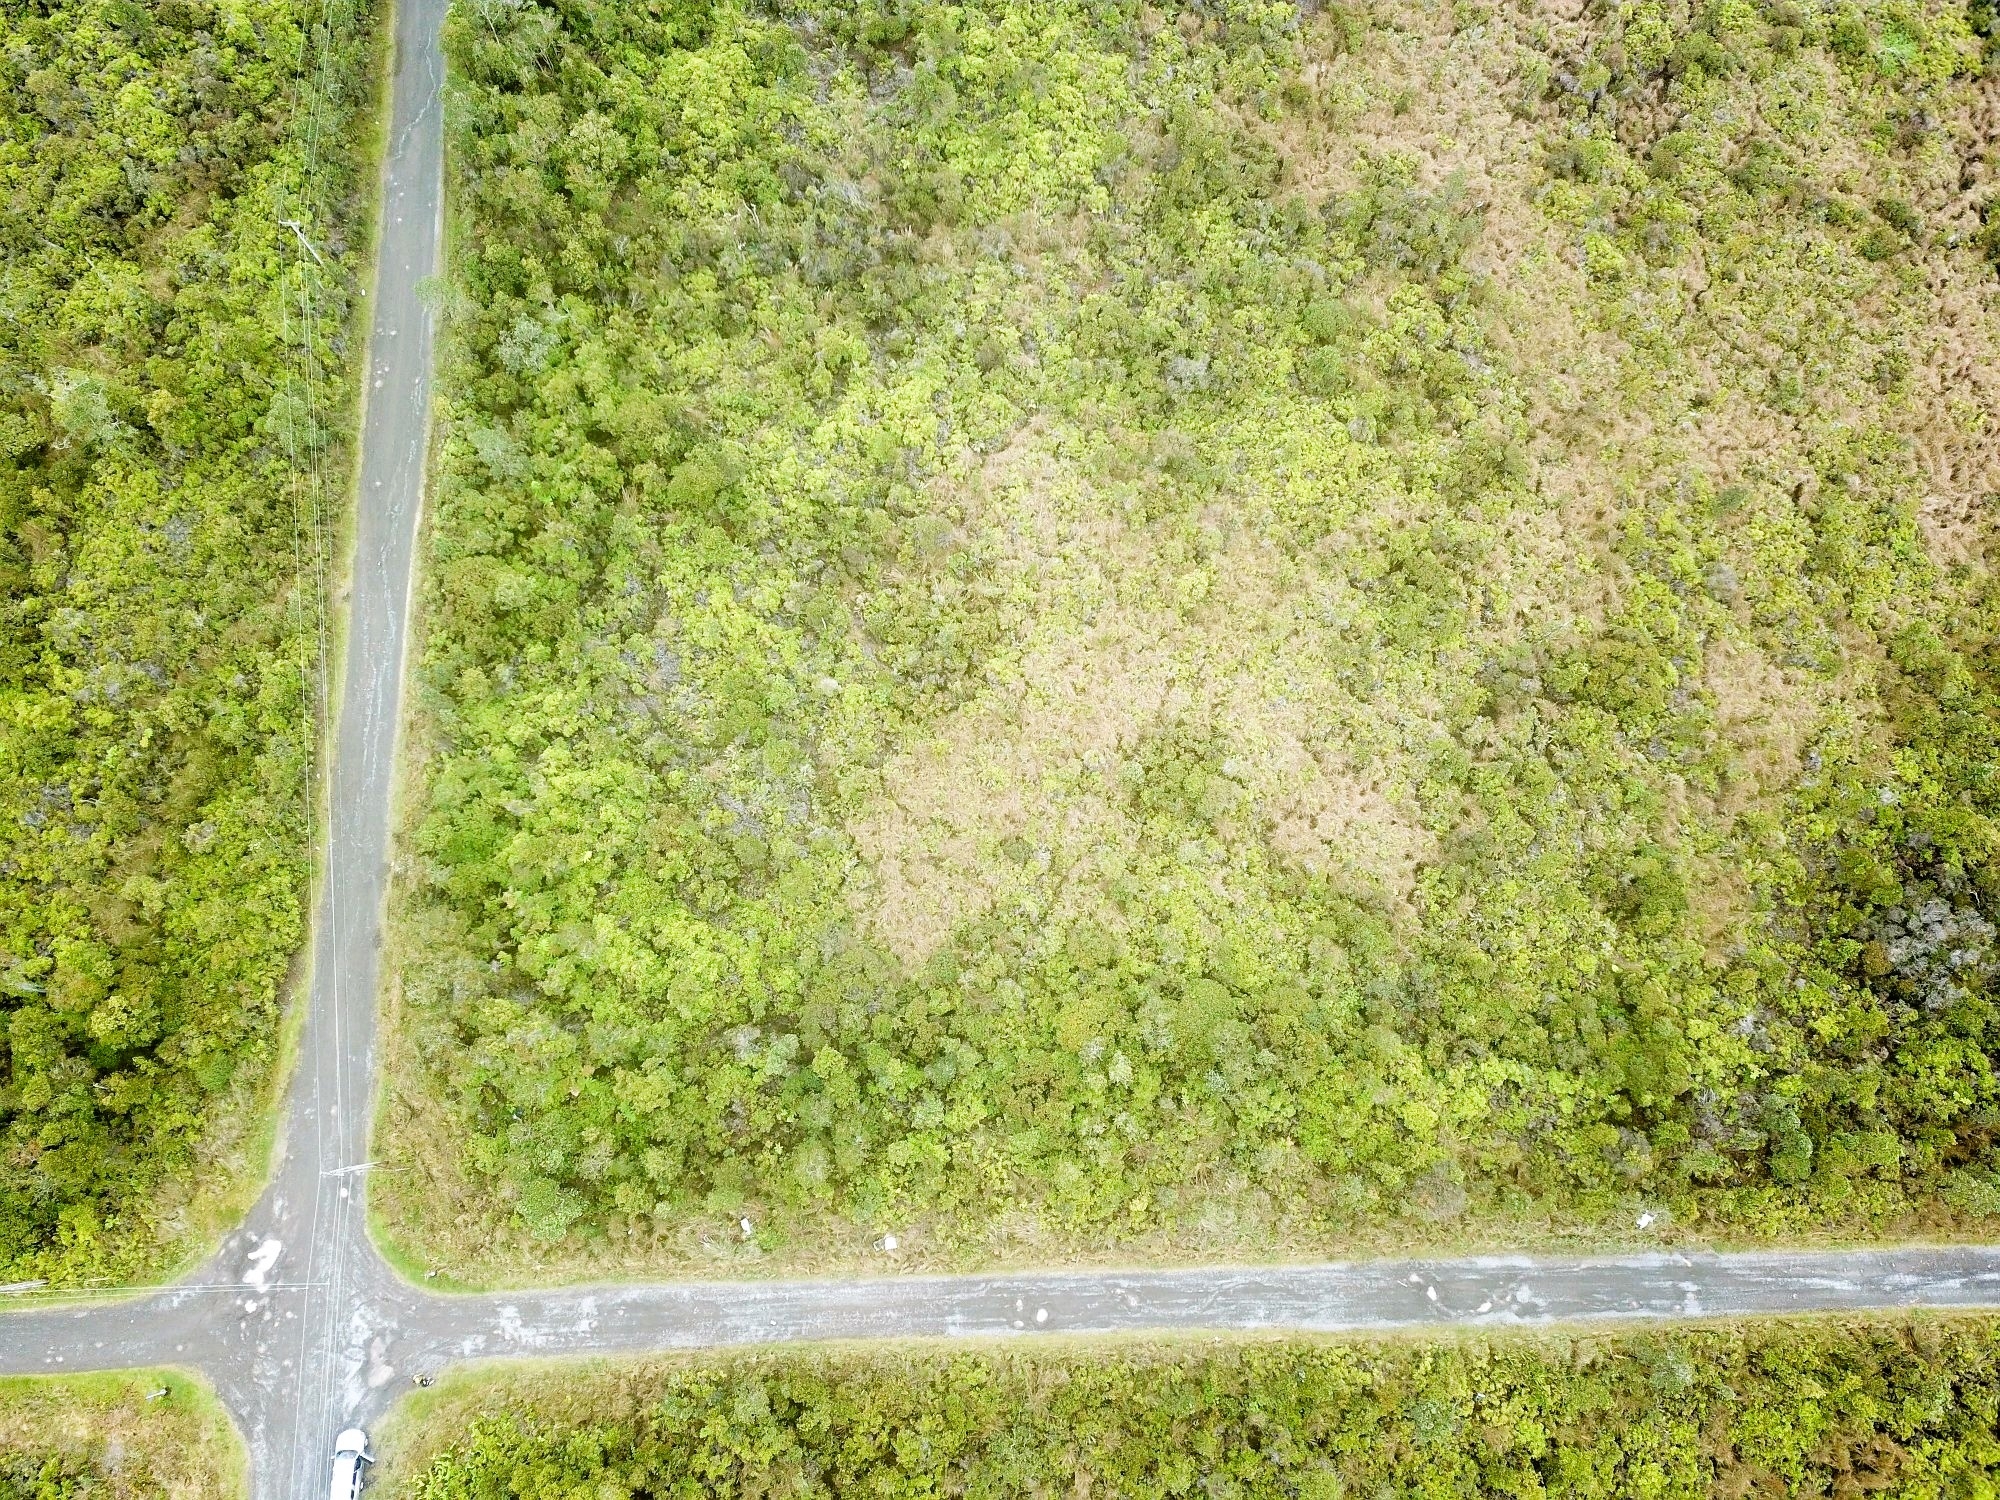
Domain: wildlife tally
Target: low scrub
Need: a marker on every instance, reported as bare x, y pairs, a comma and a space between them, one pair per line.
134, 1435
1212, 631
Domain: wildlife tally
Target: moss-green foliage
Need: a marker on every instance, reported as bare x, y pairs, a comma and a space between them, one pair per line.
1002, 647
163, 443
1804, 1410
29, 1476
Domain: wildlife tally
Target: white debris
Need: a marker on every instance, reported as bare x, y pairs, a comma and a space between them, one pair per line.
380, 1371
889, 1242
1646, 1219
749, 1229
262, 1259
1041, 1315
1431, 1293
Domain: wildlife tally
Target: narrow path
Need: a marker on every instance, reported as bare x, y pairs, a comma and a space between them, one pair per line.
302, 1327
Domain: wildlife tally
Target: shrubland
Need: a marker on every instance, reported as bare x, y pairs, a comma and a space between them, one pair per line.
178, 215
1231, 629
134, 1435
1802, 1409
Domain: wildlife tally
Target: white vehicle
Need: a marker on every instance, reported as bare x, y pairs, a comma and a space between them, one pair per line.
350, 1452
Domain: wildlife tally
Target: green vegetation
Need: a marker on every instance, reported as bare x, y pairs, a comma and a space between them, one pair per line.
1804, 1409
134, 1435
180, 198
1133, 628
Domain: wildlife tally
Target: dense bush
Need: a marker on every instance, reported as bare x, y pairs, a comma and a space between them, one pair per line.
171, 355
1815, 1409
1014, 644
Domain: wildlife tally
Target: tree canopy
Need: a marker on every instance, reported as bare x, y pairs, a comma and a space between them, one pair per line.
1808, 1409
178, 216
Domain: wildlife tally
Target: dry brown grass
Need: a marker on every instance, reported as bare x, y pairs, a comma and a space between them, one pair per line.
1955, 381
1019, 796
1766, 716
1955, 420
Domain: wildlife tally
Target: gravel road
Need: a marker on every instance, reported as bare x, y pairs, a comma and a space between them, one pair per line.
302, 1327
295, 1362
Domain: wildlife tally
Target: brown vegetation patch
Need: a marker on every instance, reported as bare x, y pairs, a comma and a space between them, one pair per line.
1022, 794
1765, 717
1335, 821
1955, 426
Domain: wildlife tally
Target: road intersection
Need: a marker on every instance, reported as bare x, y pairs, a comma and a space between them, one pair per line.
304, 1329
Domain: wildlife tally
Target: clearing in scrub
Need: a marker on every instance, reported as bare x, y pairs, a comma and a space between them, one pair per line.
1232, 628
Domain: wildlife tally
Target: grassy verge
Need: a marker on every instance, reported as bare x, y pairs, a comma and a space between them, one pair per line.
132, 1435
1806, 1408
